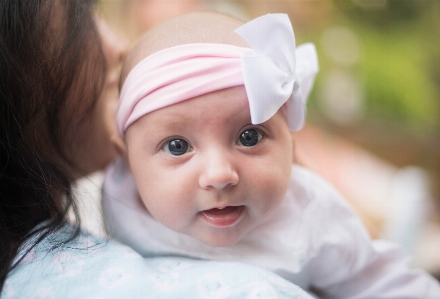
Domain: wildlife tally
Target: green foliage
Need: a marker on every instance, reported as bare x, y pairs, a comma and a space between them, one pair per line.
399, 65
398, 84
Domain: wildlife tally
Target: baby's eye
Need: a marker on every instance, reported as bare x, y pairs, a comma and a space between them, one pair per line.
249, 137
176, 147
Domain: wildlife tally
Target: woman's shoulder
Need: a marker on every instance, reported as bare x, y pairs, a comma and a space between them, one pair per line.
84, 265
91, 268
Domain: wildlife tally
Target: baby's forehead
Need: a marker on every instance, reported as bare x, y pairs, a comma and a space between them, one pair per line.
221, 106
227, 109
218, 116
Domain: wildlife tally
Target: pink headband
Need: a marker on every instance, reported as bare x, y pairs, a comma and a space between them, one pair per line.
269, 70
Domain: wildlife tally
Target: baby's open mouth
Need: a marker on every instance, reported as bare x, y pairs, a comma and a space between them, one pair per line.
223, 217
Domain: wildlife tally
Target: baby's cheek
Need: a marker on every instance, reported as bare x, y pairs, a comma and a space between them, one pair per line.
163, 211
169, 205
271, 189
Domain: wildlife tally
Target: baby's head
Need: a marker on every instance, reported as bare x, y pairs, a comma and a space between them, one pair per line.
197, 27
204, 164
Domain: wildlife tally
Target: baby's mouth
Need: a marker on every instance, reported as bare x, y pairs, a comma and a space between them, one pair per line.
223, 217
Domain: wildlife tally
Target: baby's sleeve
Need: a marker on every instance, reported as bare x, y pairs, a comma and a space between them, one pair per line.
346, 263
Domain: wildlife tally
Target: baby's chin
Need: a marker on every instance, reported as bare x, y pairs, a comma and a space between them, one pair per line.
223, 238
218, 242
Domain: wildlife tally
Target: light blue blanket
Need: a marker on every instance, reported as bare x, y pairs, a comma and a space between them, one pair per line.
107, 269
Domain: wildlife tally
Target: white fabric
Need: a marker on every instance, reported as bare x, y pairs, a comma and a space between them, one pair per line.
314, 240
273, 74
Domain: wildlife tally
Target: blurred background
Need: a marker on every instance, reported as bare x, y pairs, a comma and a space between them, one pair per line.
373, 117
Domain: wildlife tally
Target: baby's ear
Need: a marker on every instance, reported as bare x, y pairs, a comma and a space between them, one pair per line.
119, 144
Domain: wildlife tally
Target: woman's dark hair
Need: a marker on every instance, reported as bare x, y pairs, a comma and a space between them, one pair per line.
51, 63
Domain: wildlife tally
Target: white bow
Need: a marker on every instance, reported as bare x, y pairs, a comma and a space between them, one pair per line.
273, 74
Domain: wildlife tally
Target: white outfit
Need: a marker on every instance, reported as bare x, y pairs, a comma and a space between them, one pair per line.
313, 240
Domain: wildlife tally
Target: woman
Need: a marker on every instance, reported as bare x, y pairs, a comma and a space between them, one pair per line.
52, 131
59, 69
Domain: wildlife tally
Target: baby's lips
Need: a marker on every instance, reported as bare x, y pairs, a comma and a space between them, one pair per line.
222, 217
221, 211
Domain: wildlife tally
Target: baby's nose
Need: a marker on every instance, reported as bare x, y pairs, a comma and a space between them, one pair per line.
218, 172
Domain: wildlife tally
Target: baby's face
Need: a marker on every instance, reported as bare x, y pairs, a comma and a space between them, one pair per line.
204, 170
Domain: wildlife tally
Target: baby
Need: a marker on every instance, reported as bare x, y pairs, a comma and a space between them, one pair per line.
206, 171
